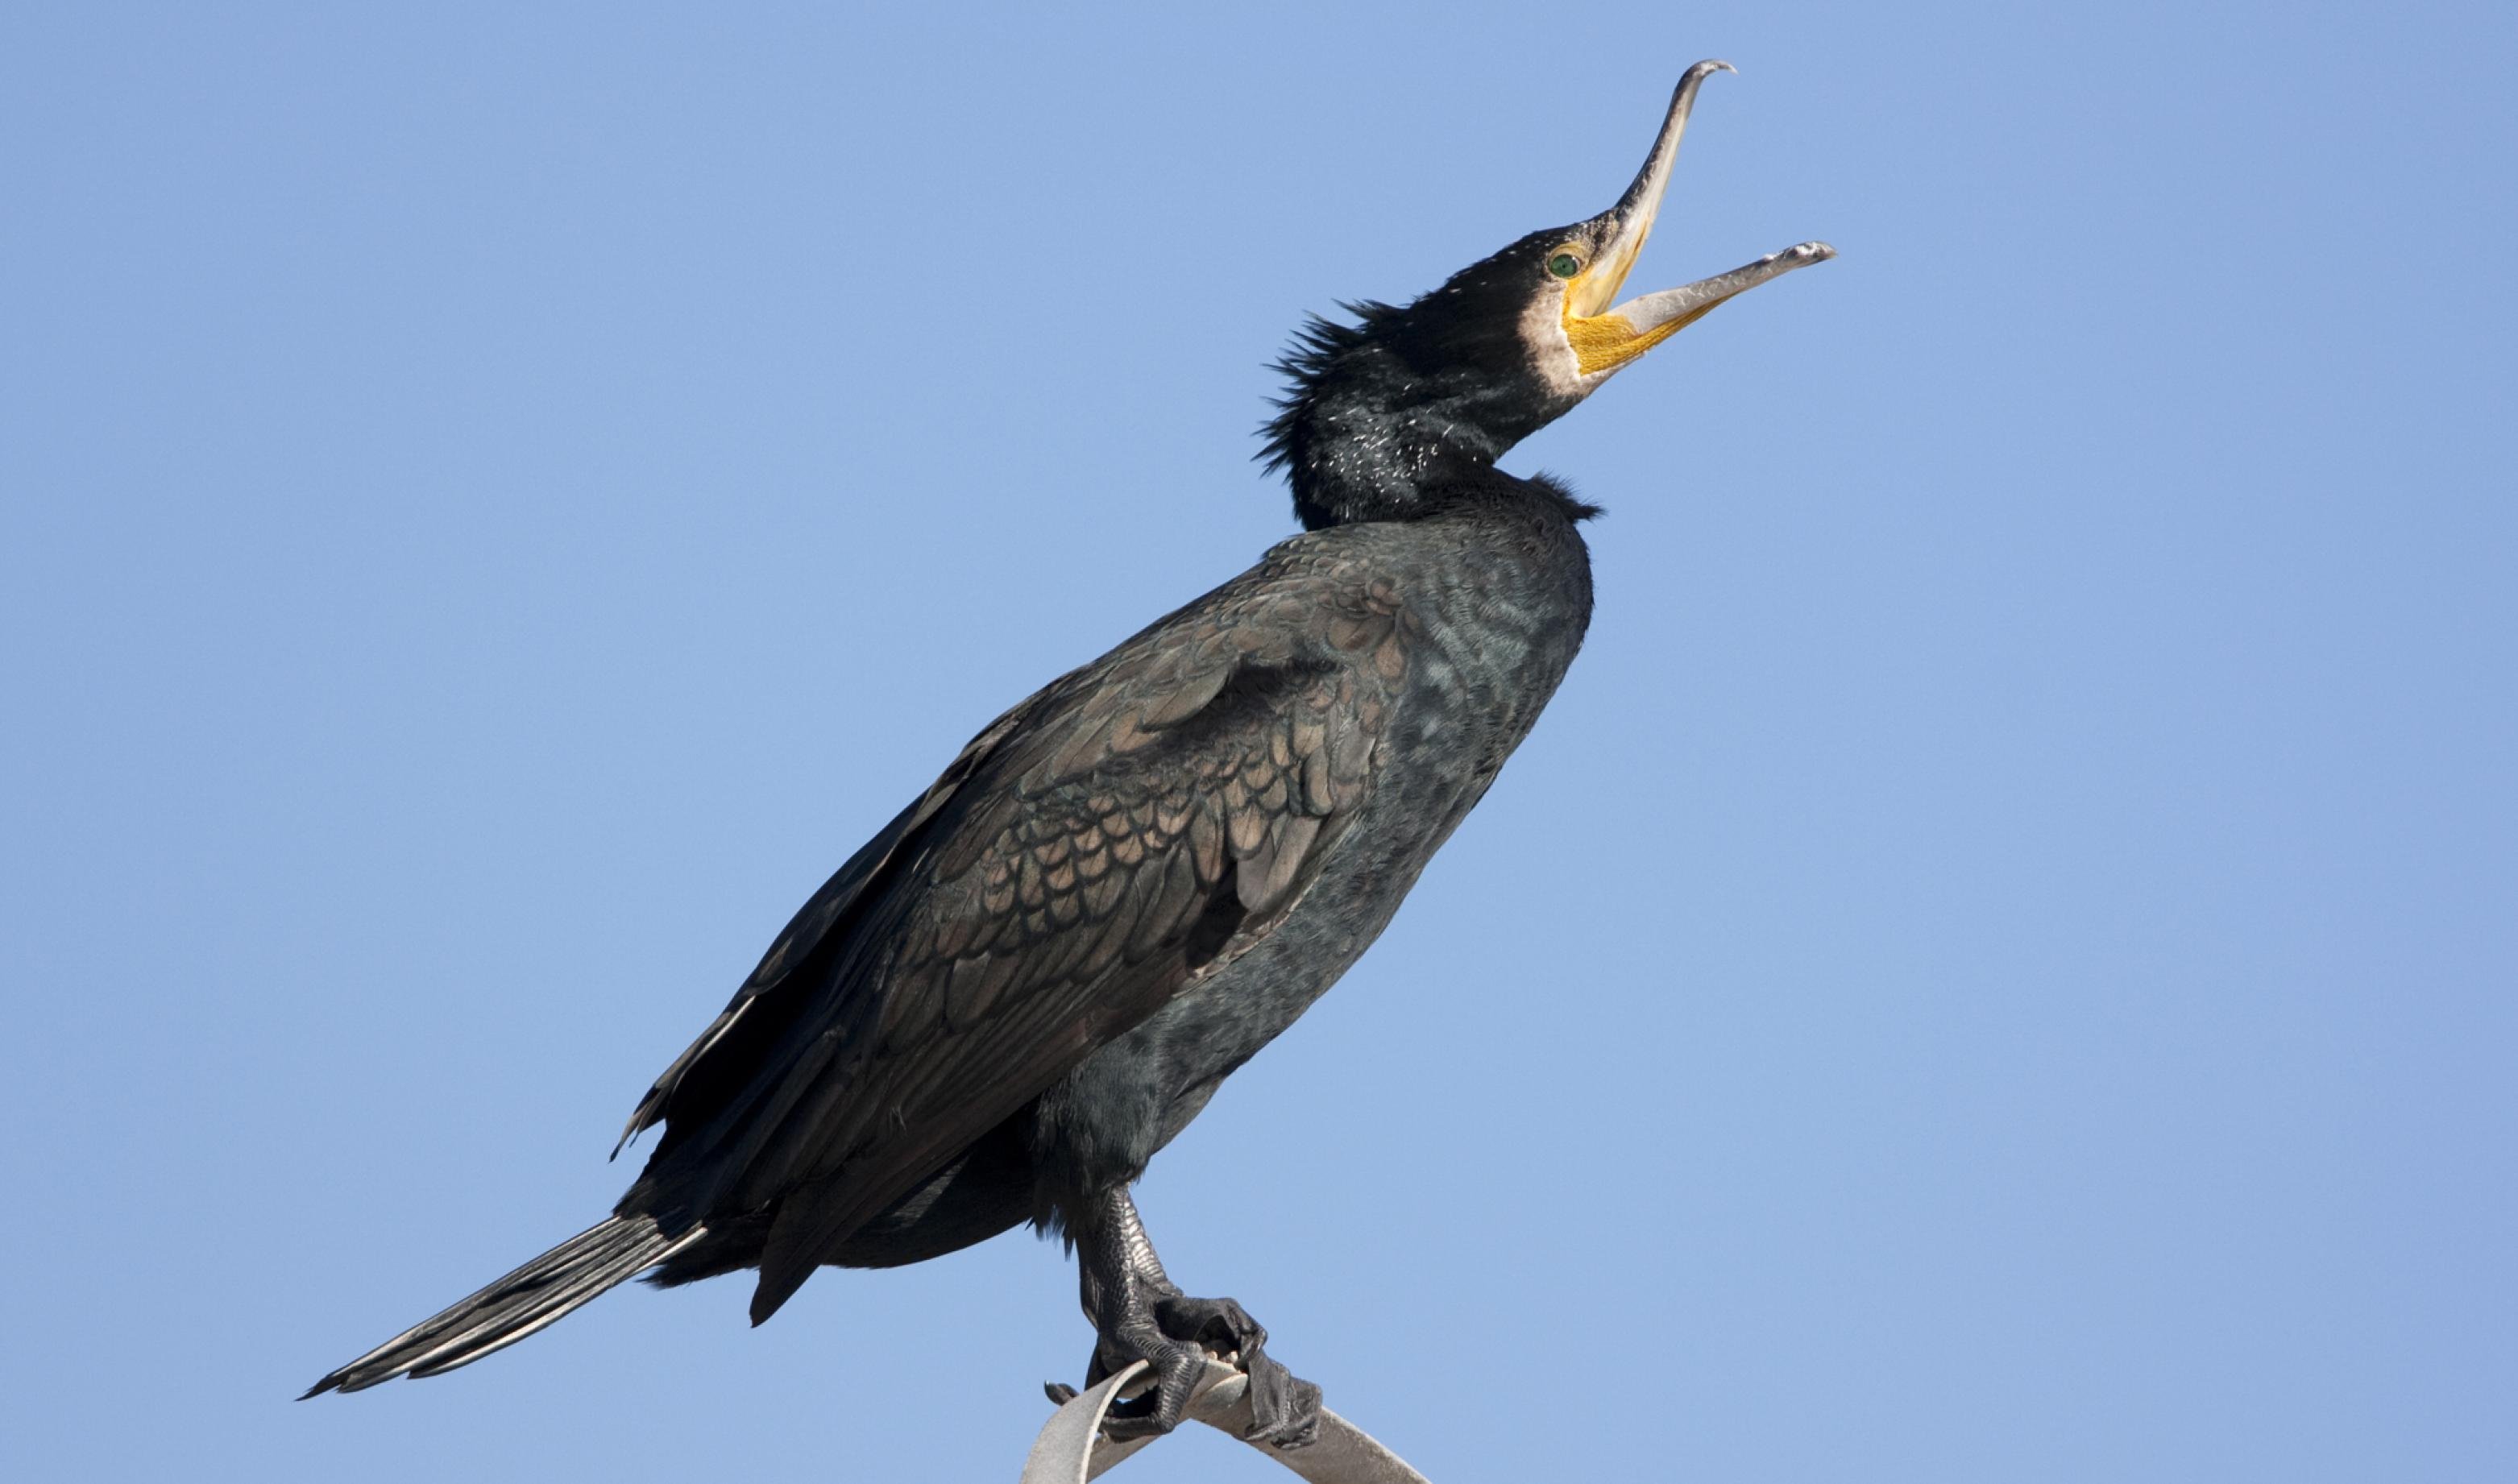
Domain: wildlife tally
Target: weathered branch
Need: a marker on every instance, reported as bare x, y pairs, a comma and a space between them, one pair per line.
1071, 1449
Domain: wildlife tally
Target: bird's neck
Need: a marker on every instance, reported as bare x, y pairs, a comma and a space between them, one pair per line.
1373, 429
1356, 461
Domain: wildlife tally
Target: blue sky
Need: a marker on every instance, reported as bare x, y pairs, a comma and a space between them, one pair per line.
1997, 964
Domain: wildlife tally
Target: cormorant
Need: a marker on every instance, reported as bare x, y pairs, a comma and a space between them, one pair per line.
1039, 972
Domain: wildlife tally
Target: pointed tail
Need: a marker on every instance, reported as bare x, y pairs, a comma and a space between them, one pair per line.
517, 1305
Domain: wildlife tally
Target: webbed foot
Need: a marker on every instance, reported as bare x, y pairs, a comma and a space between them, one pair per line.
1174, 1339
1139, 1314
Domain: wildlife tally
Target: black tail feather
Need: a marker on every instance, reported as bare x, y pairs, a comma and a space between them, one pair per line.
517, 1305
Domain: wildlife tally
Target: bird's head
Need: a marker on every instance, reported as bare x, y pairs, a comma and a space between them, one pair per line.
1377, 409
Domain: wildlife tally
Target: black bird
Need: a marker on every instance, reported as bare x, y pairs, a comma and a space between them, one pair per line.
1040, 971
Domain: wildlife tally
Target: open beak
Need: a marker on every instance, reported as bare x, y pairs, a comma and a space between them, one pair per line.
1605, 338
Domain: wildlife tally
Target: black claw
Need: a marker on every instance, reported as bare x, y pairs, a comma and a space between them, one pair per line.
1060, 1393
1127, 1430
1219, 1324
1284, 1408
1159, 1411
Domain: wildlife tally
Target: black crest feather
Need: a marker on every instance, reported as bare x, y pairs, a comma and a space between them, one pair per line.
1305, 365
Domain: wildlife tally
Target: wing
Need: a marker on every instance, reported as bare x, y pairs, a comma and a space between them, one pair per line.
1109, 843
816, 921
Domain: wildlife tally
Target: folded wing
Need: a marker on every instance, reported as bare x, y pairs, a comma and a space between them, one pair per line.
1103, 846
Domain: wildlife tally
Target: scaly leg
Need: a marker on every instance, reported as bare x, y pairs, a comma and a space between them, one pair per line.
1140, 1314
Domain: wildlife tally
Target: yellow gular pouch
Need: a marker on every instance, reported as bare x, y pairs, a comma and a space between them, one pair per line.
1604, 342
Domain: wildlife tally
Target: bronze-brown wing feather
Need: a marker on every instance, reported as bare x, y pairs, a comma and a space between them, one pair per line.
1106, 843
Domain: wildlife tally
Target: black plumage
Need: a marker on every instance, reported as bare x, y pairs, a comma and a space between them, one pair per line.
1033, 977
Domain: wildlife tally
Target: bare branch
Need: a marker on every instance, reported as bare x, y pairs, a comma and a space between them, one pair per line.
1071, 1449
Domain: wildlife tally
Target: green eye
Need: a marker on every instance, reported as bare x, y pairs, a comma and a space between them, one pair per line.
1565, 265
